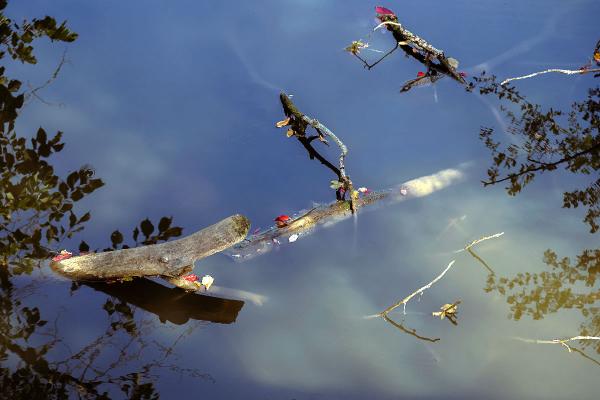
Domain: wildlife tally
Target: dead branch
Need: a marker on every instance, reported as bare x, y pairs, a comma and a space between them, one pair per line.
412, 332
404, 301
168, 259
468, 248
561, 71
418, 48
562, 342
298, 123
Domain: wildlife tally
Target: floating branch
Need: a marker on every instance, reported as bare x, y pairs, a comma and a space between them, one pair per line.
562, 342
414, 46
416, 292
412, 332
468, 248
170, 259
298, 123
304, 222
583, 70
561, 71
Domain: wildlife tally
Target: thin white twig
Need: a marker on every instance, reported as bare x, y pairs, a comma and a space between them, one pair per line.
562, 342
421, 290
562, 71
387, 23
474, 242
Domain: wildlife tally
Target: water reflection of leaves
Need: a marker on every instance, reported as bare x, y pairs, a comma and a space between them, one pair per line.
546, 140
540, 294
36, 214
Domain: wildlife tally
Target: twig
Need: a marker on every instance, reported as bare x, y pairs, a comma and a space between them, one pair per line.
412, 332
421, 290
474, 242
369, 66
562, 342
561, 71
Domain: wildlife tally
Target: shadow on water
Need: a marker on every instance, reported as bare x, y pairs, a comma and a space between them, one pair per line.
171, 304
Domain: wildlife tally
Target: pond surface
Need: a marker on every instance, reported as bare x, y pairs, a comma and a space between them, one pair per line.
174, 105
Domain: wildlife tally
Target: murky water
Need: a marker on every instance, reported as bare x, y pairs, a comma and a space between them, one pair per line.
175, 105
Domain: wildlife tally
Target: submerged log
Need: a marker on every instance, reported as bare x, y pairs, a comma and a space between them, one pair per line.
170, 259
304, 222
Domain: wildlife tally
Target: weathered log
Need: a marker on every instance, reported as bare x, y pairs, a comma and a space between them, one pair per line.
168, 259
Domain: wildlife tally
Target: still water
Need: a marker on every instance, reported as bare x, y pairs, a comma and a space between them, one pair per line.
174, 105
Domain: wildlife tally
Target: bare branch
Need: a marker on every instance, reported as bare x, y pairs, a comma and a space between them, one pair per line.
562, 342
561, 71
416, 292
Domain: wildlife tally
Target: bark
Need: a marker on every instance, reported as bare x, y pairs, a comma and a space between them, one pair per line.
170, 259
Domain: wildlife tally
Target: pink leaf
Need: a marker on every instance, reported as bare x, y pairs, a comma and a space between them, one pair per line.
383, 11
463, 74
63, 255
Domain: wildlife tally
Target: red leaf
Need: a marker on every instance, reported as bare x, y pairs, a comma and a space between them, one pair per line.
383, 11
191, 278
282, 218
420, 74
463, 74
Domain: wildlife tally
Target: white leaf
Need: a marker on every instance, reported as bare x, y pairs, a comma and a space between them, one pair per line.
293, 238
207, 281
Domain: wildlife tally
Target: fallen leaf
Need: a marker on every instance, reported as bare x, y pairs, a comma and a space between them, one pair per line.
420, 74
63, 255
207, 281
282, 221
597, 56
283, 123
383, 11
290, 132
191, 278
